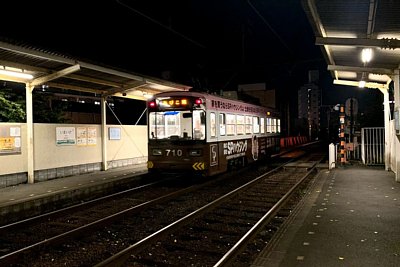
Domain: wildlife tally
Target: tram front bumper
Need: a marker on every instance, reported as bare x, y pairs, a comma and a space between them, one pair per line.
177, 166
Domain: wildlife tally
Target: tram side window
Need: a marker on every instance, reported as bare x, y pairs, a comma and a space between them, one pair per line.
230, 124
256, 125
274, 125
222, 123
249, 124
279, 125
262, 125
199, 124
240, 124
269, 125
213, 126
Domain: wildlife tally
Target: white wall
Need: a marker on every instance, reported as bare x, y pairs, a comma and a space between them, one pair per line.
394, 148
48, 154
133, 143
15, 163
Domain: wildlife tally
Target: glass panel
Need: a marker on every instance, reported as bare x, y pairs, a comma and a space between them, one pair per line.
269, 122
279, 125
262, 126
230, 124
256, 125
273, 127
240, 124
249, 124
213, 124
172, 127
199, 124
157, 125
176, 124
222, 123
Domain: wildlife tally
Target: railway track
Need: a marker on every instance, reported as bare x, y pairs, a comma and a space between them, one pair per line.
216, 233
71, 221
92, 242
55, 228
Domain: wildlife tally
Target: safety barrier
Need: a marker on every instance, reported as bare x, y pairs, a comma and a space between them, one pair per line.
292, 141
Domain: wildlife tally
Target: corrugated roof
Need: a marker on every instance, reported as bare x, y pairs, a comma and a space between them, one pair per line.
65, 72
344, 27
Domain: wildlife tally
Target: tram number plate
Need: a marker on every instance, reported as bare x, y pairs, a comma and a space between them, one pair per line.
173, 152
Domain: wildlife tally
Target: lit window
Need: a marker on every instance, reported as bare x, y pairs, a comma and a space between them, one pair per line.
256, 125
222, 123
249, 124
213, 124
230, 124
262, 126
240, 124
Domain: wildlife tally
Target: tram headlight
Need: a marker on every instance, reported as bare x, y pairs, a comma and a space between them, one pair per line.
157, 152
195, 152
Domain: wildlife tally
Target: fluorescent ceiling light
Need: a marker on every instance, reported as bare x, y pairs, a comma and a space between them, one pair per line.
16, 74
147, 95
350, 75
361, 84
366, 55
378, 78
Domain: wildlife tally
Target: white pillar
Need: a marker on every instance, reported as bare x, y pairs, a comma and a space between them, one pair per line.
104, 165
386, 113
396, 140
332, 156
29, 133
363, 146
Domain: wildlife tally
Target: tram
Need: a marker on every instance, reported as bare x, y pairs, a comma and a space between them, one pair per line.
207, 134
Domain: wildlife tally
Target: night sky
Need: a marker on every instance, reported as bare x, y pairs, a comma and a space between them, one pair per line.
211, 45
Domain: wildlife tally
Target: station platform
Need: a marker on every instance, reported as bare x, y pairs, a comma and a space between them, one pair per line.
25, 200
350, 217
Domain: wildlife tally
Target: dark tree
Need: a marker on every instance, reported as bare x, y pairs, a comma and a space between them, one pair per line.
12, 106
47, 110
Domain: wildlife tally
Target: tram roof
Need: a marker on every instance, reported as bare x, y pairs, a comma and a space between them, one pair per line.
223, 103
343, 28
65, 72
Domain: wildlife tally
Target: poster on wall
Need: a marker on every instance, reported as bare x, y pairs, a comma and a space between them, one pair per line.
10, 140
114, 133
91, 136
65, 136
81, 136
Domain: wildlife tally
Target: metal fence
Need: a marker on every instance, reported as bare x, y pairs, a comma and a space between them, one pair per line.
373, 146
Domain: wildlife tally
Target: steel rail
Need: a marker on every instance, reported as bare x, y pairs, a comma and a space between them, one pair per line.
121, 257
21, 223
77, 232
242, 243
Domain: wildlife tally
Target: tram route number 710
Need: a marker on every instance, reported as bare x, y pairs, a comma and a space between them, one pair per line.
173, 152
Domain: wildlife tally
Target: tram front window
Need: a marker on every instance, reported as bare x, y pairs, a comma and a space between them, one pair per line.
179, 125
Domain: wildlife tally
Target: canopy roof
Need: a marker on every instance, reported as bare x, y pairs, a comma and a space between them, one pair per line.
343, 28
60, 71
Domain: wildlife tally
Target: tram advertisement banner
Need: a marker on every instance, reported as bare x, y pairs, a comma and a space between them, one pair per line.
10, 139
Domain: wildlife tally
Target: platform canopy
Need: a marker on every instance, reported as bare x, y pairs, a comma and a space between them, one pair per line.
29, 65
346, 28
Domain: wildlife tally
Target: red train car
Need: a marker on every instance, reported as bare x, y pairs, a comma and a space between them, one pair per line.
208, 134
